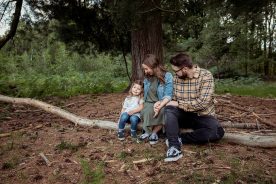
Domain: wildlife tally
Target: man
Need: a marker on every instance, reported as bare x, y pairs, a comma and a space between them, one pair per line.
192, 107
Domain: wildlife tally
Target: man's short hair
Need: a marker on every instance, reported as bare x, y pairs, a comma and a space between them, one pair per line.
181, 60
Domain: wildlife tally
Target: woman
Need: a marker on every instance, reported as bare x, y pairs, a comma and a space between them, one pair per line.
158, 91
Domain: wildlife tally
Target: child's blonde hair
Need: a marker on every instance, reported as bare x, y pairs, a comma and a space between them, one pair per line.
139, 82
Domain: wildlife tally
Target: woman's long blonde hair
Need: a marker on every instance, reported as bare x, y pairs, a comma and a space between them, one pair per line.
158, 69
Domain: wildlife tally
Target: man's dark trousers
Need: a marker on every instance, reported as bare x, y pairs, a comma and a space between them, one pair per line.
206, 128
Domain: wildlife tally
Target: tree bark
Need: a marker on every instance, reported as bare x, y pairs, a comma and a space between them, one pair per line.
244, 139
14, 24
265, 141
146, 38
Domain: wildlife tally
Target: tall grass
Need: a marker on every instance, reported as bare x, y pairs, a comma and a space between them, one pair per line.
56, 72
251, 86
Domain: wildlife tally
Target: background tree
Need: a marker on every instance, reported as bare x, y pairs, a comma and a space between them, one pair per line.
235, 37
14, 21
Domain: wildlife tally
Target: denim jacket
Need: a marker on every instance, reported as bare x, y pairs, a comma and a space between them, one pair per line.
163, 90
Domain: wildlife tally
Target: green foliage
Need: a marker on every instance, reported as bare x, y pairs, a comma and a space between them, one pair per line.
250, 86
231, 36
8, 165
92, 177
65, 145
56, 71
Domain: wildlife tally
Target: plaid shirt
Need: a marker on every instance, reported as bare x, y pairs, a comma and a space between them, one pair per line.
195, 94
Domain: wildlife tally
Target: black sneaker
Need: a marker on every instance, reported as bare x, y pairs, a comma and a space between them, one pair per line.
133, 134
121, 136
173, 154
153, 139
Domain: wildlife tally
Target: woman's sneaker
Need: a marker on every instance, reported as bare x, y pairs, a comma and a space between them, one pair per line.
121, 136
143, 136
173, 154
153, 139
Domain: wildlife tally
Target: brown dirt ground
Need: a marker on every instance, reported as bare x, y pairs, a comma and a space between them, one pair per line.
87, 155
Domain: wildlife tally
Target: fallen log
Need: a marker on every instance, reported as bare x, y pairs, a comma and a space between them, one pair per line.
265, 141
249, 140
59, 112
229, 124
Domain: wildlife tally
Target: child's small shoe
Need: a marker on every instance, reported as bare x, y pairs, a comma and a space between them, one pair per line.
121, 136
133, 134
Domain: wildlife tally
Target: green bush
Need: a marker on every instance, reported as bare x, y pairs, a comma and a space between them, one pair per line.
56, 72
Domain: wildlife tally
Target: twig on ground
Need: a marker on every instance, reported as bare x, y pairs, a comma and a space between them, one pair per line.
263, 121
142, 161
45, 159
210, 168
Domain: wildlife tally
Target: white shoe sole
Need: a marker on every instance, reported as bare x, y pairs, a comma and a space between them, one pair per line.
121, 139
153, 142
173, 159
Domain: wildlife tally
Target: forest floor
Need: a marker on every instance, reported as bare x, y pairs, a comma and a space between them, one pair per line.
92, 155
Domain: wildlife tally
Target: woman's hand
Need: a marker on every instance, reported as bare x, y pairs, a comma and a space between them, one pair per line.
156, 104
156, 108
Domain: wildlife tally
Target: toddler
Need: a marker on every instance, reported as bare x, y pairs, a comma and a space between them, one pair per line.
132, 106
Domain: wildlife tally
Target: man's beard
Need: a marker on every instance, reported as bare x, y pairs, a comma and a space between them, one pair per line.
183, 76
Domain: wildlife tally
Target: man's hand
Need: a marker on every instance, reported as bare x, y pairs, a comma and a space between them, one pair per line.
173, 103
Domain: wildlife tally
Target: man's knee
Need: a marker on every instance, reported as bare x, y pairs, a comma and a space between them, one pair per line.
169, 110
214, 134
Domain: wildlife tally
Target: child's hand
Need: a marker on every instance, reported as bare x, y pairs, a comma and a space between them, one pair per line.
130, 113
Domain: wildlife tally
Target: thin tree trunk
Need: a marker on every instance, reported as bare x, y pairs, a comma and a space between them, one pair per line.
124, 56
14, 24
245, 139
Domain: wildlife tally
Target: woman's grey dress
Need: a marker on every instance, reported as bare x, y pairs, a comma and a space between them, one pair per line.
147, 112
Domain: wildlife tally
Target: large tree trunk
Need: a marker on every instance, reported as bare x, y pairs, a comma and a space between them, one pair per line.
266, 141
146, 38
